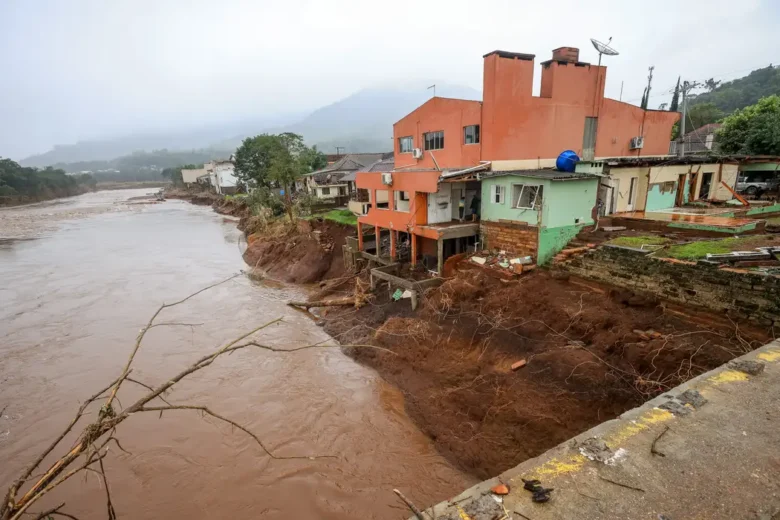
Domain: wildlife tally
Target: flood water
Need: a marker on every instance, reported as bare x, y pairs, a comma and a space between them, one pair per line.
79, 277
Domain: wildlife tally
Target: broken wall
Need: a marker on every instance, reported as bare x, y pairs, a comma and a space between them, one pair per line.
515, 238
747, 295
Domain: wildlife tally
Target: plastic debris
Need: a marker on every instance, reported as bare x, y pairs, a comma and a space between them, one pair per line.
397, 294
519, 364
478, 260
540, 494
500, 489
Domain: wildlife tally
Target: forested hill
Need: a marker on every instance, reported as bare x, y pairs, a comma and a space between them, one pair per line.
742, 92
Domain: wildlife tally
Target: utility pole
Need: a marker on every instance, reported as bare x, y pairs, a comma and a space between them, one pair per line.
649, 83
686, 87
434, 89
337, 150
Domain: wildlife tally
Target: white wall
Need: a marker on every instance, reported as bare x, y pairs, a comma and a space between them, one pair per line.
440, 204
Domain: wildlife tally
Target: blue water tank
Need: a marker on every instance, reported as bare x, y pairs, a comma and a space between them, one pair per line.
566, 161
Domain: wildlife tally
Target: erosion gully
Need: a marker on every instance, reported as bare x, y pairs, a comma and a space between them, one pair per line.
81, 276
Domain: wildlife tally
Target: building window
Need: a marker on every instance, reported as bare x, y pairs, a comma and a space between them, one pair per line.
326, 191
434, 140
382, 199
405, 144
497, 194
471, 134
526, 197
402, 201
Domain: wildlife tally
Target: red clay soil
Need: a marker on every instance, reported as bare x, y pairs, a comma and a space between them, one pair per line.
309, 254
591, 354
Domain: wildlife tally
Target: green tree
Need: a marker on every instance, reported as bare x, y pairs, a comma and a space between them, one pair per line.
289, 161
276, 161
741, 92
711, 84
314, 159
253, 159
675, 97
20, 184
754, 130
644, 99
703, 114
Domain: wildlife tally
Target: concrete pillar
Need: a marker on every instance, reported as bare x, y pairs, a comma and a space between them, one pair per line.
440, 255
376, 238
392, 243
413, 238
360, 236
414, 300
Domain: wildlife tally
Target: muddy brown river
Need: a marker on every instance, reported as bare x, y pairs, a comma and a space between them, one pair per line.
79, 277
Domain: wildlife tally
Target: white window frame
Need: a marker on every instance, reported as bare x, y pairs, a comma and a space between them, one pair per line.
324, 192
411, 144
497, 190
516, 203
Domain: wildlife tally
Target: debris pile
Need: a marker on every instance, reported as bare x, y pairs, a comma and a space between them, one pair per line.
499, 260
566, 254
766, 257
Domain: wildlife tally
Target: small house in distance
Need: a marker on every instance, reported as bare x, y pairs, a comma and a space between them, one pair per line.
535, 212
337, 181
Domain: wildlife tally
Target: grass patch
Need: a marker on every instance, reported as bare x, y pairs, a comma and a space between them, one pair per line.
695, 250
774, 221
342, 216
638, 242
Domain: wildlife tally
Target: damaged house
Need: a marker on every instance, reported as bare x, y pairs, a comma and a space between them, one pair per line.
447, 149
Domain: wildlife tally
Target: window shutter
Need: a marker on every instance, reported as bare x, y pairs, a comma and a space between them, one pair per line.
493, 193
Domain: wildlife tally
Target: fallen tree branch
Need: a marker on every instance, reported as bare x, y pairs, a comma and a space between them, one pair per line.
627, 486
205, 410
348, 300
54, 511
411, 506
652, 446
95, 437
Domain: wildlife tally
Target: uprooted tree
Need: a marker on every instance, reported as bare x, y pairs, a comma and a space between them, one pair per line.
96, 437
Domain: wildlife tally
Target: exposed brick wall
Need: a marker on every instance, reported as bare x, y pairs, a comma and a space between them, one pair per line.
753, 296
514, 238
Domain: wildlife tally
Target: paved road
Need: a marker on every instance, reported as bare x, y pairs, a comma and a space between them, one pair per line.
718, 459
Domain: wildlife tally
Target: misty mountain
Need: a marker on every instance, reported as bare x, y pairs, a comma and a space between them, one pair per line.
362, 122
191, 139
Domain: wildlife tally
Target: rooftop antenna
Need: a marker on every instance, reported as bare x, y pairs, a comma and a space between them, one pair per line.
434, 89
603, 48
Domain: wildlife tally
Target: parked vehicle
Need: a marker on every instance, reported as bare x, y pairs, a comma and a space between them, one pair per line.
757, 183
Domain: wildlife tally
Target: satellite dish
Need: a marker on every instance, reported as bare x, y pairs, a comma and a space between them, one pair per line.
603, 48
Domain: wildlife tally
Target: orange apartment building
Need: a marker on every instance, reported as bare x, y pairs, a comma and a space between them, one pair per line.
442, 145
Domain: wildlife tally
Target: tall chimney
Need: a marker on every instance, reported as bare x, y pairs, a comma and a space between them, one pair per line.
568, 54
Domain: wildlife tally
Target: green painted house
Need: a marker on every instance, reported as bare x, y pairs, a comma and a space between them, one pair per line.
535, 212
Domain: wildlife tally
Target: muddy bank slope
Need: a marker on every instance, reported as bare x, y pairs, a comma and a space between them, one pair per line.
590, 354
309, 252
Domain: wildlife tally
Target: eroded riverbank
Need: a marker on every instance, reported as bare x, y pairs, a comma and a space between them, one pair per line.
72, 304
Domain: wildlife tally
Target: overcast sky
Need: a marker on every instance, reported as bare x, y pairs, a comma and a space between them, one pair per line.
87, 69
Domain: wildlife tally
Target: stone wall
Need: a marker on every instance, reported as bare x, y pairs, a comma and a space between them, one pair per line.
515, 238
743, 294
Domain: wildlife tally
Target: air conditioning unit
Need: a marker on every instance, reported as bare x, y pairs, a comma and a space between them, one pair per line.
637, 143
417, 153
387, 178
